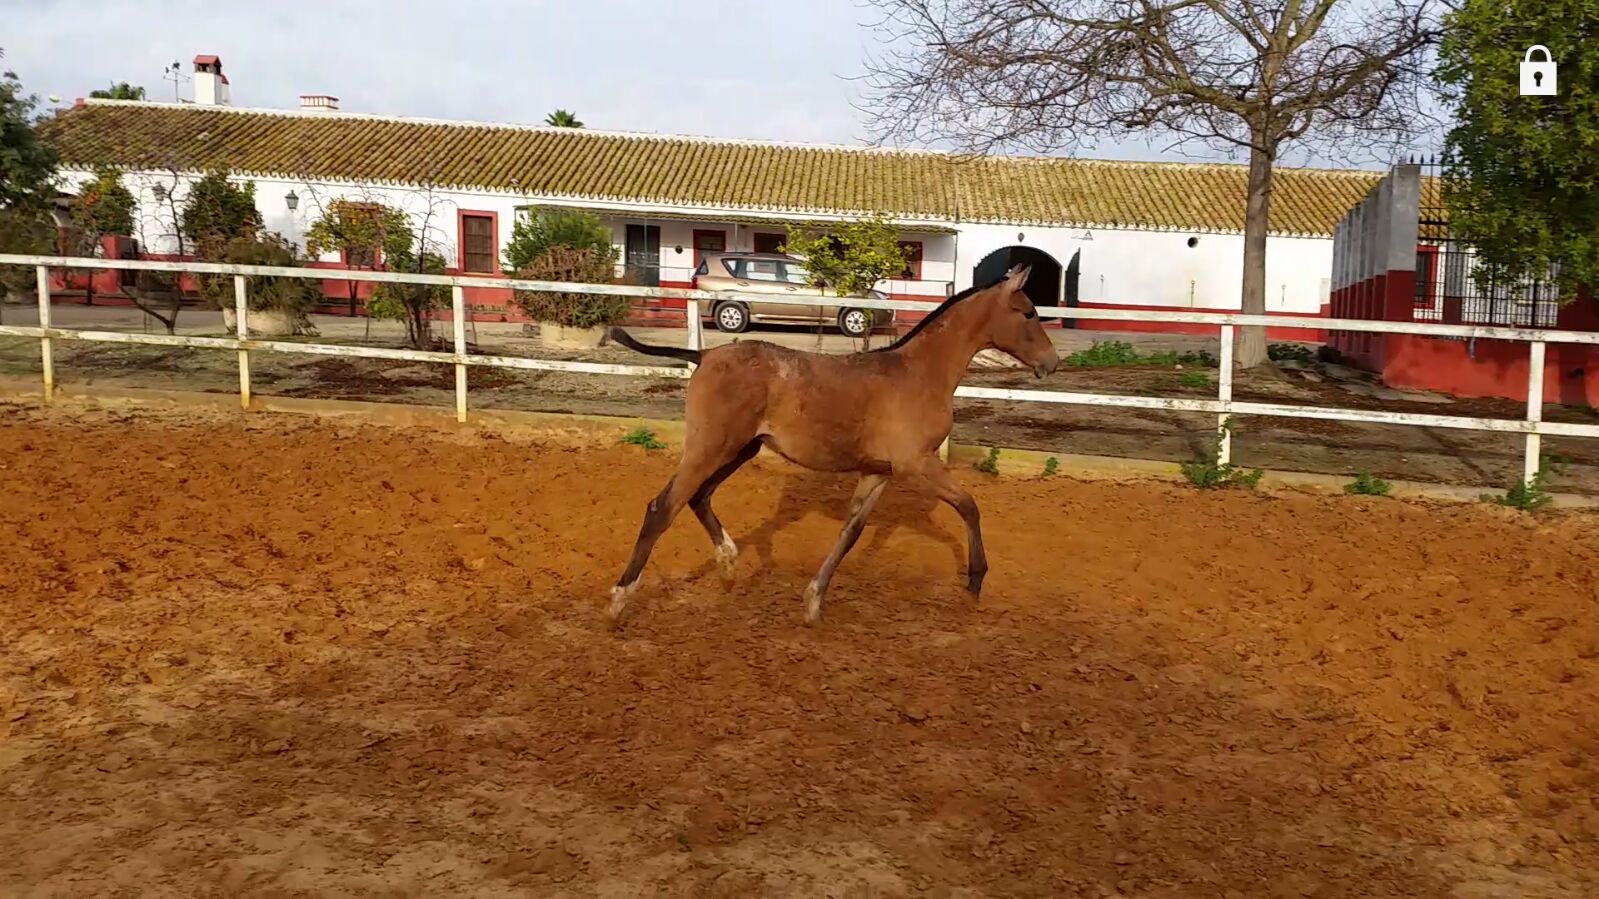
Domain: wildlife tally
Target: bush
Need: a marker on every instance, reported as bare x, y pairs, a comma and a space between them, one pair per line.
292, 295
1289, 352
28, 232
536, 234
573, 310
1365, 484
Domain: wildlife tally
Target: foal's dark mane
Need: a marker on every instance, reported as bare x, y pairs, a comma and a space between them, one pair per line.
932, 316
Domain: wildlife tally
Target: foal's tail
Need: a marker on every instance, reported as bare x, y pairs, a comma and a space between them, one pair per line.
627, 340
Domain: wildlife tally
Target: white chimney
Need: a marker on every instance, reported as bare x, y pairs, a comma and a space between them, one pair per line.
210, 85
318, 103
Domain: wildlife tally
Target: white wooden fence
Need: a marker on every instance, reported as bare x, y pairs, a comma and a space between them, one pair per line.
1532, 426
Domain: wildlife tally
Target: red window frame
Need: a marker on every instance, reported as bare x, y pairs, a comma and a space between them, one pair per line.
1426, 262
704, 232
913, 265
494, 240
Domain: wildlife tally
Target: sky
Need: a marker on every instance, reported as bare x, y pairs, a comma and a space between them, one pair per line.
718, 68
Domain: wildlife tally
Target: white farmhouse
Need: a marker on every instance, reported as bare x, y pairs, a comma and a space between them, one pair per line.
1098, 233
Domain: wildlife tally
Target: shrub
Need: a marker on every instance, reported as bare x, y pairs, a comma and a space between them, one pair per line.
1208, 472
1295, 352
1366, 485
581, 265
643, 437
1528, 496
989, 464
537, 233
292, 295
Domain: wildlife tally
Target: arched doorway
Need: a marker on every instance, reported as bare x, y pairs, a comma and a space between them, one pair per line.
1043, 283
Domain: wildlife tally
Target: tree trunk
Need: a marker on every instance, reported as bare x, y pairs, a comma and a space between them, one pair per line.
1250, 350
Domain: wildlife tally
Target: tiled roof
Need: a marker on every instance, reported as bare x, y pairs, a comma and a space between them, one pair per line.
566, 163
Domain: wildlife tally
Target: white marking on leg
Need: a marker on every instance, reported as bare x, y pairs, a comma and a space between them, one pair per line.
813, 603
619, 600
727, 555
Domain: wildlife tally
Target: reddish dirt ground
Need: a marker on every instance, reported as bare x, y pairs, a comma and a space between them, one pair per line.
261, 656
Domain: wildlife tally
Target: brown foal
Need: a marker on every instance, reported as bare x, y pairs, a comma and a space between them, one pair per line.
882, 413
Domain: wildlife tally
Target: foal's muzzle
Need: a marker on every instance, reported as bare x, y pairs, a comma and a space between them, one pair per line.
1047, 366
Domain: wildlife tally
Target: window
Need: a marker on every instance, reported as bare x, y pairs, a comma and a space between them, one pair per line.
734, 267
708, 242
769, 243
477, 243
794, 273
760, 269
913, 260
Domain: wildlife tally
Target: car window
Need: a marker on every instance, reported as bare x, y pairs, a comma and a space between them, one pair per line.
704, 268
732, 266
794, 273
760, 269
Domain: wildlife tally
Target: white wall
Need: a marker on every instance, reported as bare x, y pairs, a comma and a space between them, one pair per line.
1158, 268
1119, 266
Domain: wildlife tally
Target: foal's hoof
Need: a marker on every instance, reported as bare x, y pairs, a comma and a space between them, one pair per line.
619, 601
813, 604
727, 559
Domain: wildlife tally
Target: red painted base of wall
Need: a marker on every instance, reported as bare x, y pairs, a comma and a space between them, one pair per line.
1482, 368
1491, 368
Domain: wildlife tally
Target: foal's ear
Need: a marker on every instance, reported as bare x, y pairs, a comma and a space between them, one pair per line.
1017, 277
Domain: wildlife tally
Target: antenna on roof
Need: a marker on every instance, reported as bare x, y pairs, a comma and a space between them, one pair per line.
174, 74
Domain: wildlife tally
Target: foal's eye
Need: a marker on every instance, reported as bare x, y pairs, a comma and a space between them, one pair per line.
1030, 314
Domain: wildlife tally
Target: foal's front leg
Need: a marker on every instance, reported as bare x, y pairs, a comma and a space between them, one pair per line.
691, 474
860, 505
946, 489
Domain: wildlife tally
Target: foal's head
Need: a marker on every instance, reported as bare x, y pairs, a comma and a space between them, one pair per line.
1014, 327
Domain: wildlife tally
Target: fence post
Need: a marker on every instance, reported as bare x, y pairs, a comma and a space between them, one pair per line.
696, 328
1224, 393
1535, 362
242, 331
458, 302
45, 358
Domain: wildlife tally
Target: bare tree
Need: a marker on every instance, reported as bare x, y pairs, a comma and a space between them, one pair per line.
1243, 76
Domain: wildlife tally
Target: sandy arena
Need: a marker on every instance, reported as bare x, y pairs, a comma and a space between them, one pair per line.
272, 656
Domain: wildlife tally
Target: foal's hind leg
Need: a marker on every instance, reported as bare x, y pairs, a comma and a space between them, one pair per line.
692, 472
946, 489
726, 549
860, 505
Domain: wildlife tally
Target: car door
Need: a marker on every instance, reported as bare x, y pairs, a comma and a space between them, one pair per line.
796, 281
764, 276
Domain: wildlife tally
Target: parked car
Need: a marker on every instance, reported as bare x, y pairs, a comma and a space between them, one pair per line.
782, 278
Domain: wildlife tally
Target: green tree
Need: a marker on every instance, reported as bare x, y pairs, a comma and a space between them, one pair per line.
293, 297
27, 167
413, 304
572, 265
217, 212
30, 231
102, 208
562, 119
851, 257
120, 90
1522, 173
535, 233
366, 234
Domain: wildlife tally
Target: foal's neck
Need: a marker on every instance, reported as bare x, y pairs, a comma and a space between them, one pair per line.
942, 353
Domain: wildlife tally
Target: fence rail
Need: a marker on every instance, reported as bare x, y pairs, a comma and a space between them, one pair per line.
1532, 426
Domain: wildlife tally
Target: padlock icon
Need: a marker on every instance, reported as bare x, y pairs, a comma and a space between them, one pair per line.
1538, 78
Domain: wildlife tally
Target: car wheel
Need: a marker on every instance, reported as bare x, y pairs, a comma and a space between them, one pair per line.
855, 322
732, 318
